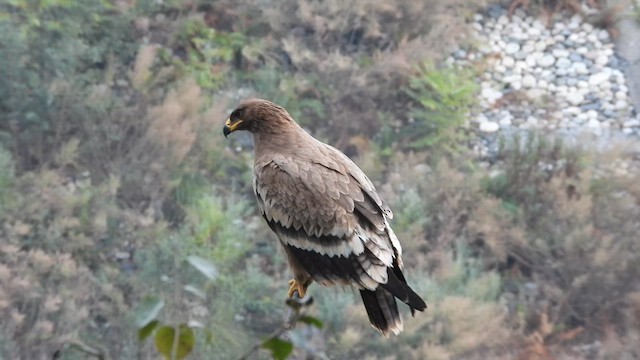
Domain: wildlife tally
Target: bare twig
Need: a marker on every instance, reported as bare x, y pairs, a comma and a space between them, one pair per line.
93, 351
295, 304
177, 288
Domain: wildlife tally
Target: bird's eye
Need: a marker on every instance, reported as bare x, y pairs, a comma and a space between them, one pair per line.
236, 114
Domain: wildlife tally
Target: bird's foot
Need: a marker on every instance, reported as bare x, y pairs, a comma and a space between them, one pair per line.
301, 288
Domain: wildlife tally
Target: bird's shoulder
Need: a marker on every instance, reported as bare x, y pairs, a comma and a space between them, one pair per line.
350, 168
321, 171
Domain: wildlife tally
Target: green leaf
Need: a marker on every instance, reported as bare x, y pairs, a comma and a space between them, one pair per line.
148, 310
144, 333
280, 349
164, 341
310, 320
204, 266
195, 291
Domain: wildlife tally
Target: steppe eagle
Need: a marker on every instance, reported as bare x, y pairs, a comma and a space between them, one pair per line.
326, 213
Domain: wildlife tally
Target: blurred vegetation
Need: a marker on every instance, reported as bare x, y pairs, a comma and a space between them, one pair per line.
444, 98
636, 10
126, 217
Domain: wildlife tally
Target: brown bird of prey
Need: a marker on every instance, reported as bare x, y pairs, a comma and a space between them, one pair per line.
326, 213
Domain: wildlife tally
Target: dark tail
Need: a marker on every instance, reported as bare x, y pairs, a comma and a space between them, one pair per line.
382, 307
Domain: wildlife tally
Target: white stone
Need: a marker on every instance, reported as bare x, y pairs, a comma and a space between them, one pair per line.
576, 19
506, 121
572, 110
621, 105
606, 86
563, 63
598, 78
580, 68
528, 48
603, 35
535, 93
582, 117
538, 25
532, 120
508, 61
489, 126
516, 85
511, 79
547, 60
574, 98
562, 53
593, 123
529, 81
602, 60
621, 95
631, 123
490, 94
591, 55
534, 32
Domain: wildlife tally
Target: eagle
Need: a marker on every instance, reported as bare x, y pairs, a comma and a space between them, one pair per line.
326, 213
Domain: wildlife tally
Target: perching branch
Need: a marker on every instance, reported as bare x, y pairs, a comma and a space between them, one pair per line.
93, 351
295, 305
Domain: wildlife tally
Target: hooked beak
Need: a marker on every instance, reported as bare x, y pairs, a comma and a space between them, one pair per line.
229, 127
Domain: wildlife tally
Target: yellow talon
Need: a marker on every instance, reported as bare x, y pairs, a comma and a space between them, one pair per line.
296, 286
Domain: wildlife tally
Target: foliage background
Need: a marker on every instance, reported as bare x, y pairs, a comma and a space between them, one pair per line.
114, 174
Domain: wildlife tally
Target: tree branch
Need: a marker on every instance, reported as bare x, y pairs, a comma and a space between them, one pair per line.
295, 305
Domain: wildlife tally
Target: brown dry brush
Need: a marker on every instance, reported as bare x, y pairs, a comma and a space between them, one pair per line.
606, 17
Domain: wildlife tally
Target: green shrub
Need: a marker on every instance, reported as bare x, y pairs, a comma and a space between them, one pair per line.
204, 53
300, 95
6, 178
443, 100
44, 44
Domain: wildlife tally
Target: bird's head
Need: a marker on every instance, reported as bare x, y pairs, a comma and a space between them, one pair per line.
258, 117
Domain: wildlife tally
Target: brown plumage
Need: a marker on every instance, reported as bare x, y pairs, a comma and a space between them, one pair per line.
326, 213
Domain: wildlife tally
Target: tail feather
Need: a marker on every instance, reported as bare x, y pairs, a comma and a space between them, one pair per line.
381, 304
397, 285
382, 309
